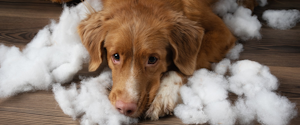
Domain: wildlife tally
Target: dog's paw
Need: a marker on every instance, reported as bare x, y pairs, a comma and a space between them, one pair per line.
167, 96
161, 106
155, 109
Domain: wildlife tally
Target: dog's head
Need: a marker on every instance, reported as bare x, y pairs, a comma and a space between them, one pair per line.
140, 44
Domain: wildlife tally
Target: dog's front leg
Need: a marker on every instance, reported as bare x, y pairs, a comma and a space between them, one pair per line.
167, 97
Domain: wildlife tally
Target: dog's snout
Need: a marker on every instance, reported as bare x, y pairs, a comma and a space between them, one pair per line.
127, 109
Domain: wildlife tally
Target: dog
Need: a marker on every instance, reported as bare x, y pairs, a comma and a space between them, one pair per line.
152, 47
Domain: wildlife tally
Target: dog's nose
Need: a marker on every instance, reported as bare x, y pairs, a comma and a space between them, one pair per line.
126, 108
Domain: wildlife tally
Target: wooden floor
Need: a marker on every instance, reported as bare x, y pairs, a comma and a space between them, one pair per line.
20, 20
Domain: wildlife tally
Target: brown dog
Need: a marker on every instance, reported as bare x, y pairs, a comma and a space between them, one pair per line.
151, 47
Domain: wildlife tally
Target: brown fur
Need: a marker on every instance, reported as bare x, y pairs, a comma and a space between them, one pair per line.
251, 4
184, 35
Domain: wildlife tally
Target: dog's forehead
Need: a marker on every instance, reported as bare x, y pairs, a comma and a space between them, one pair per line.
126, 40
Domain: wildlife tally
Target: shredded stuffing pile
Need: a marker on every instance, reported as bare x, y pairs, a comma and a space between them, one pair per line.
205, 96
282, 19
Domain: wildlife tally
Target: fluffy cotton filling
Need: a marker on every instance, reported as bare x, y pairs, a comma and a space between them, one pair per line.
238, 19
243, 24
205, 96
90, 101
282, 19
55, 54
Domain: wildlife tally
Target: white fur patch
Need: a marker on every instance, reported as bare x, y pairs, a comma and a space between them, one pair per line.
131, 87
167, 96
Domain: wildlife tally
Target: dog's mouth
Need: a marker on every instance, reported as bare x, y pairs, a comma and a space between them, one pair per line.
143, 104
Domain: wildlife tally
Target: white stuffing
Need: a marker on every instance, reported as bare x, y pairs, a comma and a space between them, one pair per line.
222, 67
262, 2
243, 24
255, 84
55, 54
222, 7
250, 81
249, 77
239, 19
234, 53
190, 115
91, 101
282, 19
65, 98
191, 111
210, 89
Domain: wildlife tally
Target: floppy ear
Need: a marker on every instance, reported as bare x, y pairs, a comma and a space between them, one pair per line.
185, 40
92, 35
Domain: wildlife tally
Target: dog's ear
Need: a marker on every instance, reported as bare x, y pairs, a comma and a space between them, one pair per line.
92, 34
185, 40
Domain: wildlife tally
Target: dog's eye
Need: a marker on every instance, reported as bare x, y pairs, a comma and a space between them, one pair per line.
152, 60
116, 56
